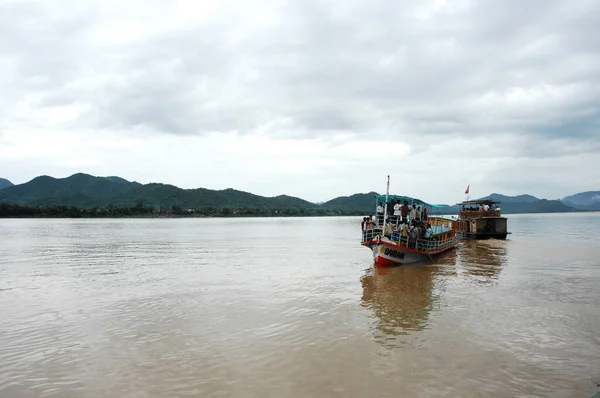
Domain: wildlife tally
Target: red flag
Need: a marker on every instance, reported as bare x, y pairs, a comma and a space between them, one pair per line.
467, 190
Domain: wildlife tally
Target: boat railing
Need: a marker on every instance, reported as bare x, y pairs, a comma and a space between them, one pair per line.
478, 213
371, 233
433, 244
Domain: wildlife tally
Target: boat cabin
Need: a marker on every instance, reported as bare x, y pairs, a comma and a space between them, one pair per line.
481, 219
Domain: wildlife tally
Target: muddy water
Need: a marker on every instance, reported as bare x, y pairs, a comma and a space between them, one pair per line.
293, 308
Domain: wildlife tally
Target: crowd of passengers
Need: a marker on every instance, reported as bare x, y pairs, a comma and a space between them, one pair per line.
408, 222
484, 207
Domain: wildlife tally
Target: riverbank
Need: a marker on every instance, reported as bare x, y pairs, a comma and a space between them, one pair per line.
60, 211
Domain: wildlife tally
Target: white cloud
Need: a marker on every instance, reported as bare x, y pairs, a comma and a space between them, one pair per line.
309, 98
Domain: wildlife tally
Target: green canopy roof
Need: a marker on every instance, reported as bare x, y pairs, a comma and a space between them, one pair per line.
401, 198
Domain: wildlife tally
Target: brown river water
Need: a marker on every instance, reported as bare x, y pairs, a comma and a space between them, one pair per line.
292, 307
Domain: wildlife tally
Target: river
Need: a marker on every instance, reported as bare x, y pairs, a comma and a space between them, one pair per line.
292, 307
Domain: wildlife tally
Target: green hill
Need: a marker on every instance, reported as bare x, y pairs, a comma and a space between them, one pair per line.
81, 190
86, 191
4, 183
364, 202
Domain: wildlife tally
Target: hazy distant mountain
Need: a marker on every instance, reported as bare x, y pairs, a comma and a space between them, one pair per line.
83, 190
511, 199
589, 200
4, 183
364, 202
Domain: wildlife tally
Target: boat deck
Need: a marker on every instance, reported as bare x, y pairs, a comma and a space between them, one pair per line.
441, 239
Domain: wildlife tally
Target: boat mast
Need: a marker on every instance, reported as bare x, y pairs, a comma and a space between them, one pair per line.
387, 193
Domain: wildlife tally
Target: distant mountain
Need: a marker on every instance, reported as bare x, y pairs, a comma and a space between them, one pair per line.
86, 191
4, 183
540, 206
589, 200
528, 205
364, 202
511, 199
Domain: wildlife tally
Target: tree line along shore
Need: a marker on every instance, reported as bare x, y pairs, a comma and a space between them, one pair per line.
8, 210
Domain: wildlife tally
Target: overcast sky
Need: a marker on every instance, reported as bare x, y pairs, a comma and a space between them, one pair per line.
311, 98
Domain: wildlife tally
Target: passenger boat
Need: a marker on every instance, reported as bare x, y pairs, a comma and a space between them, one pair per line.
396, 241
481, 219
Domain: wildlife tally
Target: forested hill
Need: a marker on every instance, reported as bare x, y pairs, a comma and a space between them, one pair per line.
85, 191
360, 201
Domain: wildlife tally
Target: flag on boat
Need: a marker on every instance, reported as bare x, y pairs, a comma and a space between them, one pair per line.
467, 190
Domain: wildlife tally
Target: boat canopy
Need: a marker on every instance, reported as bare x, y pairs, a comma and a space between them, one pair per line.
401, 198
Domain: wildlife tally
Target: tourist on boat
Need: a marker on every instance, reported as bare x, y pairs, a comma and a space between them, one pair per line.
379, 215
413, 234
390, 209
418, 213
413, 213
425, 214
397, 208
486, 207
428, 231
404, 212
363, 227
404, 231
387, 229
370, 224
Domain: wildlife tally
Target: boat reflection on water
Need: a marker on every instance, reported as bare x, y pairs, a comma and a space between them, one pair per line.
483, 260
400, 298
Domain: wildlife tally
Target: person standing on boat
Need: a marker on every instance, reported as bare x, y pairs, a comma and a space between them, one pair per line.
425, 214
379, 215
370, 223
363, 226
397, 212
428, 231
418, 213
413, 213
404, 232
413, 234
404, 212
387, 229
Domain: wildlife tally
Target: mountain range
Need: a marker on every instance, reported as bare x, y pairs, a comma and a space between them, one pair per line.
86, 191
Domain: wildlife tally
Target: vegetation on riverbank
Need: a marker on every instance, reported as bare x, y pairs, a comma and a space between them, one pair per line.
22, 211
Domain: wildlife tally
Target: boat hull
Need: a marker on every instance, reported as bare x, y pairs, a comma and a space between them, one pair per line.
482, 235
389, 254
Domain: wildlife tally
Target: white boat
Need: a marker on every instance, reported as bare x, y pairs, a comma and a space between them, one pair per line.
397, 240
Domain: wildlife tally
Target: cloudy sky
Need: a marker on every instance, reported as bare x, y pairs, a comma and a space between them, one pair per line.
311, 98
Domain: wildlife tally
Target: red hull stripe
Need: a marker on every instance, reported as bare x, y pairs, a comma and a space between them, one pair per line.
393, 245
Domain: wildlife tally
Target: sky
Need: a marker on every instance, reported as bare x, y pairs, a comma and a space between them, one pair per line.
314, 99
